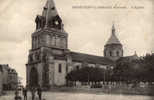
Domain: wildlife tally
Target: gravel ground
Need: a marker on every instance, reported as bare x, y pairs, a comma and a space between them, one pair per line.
80, 96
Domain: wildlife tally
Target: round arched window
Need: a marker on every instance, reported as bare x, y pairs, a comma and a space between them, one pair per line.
110, 53
117, 53
56, 22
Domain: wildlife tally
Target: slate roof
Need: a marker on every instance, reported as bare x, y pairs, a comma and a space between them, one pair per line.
113, 38
50, 10
133, 57
93, 59
130, 58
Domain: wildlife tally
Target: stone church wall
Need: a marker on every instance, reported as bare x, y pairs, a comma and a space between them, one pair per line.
1, 82
39, 69
59, 77
51, 74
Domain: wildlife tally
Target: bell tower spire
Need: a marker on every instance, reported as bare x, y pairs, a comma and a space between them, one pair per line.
49, 18
113, 29
113, 48
49, 42
49, 12
113, 38
50, 28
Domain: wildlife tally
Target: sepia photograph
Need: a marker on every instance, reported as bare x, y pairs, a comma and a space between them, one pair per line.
76, 50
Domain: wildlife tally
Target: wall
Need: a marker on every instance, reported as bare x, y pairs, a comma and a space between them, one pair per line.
113, 48
39, 67
1, 83
59, 78
51, 74
12, 80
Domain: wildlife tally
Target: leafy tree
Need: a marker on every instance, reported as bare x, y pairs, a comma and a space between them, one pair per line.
127, 70
86, 74
148, 65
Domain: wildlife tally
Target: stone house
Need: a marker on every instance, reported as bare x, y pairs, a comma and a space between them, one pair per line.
9, 77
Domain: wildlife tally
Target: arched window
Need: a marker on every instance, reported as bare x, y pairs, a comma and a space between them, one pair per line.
37, 56
37, 22
31, 58
57, 22
77, 67
110, 53
53, 8
60, 68
33, 77
117, 53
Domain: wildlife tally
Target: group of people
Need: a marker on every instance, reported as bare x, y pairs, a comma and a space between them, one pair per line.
33, 91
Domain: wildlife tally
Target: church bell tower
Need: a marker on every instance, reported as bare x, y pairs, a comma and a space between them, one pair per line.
48, 41
49, 29
113, 49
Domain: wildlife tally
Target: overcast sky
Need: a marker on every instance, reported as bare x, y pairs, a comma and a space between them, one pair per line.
88, 28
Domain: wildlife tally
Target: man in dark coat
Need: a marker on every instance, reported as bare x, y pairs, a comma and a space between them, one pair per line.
24, 93
33, 93
39, 92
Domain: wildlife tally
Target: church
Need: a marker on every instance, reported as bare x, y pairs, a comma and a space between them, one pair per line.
50, 59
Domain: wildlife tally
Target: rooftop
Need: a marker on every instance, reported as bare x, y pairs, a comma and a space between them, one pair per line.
93, 59
113, 38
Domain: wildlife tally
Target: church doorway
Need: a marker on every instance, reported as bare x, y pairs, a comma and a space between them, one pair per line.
33, 77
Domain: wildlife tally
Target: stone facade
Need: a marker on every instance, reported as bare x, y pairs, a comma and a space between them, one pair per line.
1, 81
12, 79
50, 60
9, 77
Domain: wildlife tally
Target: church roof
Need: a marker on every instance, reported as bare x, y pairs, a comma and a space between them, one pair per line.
93, 59
50, 10
130, 58
133, 57
113, 38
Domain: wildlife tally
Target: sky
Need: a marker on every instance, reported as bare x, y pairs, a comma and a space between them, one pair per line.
88, 28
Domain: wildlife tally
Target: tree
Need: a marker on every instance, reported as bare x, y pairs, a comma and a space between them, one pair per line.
148, 65
86, 74
127, 70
